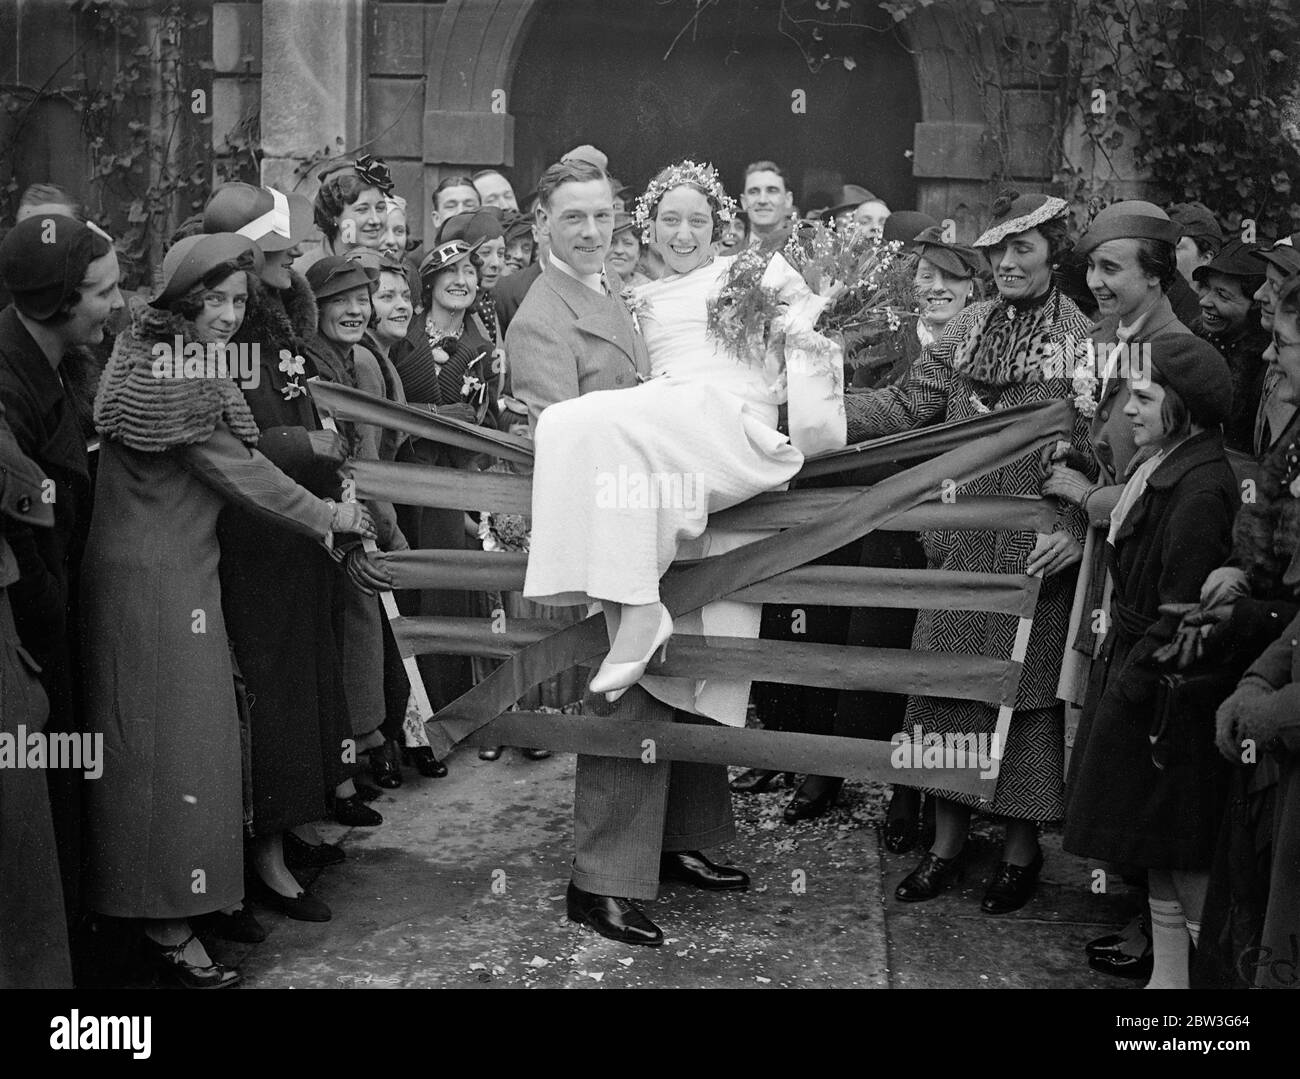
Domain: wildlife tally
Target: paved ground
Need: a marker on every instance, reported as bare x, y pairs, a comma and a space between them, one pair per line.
463, 886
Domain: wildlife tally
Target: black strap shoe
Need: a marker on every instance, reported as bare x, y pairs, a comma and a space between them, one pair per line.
425, 762
384, 767
355, 813
613, 917
932, 877
1122, 965
299, 854
805, 806
1133, 939
692, 867
303, 907
1012, 886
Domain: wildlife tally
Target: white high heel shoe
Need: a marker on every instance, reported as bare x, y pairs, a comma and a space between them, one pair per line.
615, 679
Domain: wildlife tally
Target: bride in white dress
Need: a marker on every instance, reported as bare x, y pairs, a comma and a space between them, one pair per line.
624, 477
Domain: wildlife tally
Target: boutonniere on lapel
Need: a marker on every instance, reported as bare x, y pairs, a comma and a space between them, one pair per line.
636, 306
294, 367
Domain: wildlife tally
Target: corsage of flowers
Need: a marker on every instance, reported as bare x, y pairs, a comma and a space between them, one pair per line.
294, 368
1084, 384
636, 306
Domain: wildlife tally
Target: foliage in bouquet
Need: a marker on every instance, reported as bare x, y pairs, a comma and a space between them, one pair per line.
503, 531
879, 299
741, 315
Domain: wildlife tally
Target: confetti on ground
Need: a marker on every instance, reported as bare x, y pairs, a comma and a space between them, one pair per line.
538, 962
627, 962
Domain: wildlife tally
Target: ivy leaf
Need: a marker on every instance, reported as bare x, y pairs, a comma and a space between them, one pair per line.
850, 63
1223, 76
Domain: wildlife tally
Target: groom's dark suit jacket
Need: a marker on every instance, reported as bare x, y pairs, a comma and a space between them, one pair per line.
566, 340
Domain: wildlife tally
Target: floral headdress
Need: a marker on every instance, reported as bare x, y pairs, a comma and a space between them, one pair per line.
684, 172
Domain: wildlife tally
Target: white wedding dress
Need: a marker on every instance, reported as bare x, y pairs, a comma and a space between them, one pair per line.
624, 480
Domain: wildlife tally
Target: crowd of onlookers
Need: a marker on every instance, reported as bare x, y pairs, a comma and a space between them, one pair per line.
183, 577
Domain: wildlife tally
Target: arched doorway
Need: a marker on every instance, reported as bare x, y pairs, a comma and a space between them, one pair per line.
725, 93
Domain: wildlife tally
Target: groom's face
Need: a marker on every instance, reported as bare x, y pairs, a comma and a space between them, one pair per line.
578, 223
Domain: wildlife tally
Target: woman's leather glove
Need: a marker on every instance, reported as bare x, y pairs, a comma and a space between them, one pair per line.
353, 518
367, 571
457, 411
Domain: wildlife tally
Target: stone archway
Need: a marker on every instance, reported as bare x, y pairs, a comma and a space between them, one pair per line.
472, 62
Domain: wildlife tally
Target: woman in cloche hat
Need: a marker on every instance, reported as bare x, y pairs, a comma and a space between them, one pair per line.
179, 444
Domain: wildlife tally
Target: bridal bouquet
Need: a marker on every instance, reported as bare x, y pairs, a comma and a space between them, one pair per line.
879, 295
741, 315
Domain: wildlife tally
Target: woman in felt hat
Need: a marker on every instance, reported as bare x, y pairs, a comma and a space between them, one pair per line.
63, 275
179, 444
391, 317
376, 691
1140, 795
446, 365
990, 357
351, 206
482, 230
283, 595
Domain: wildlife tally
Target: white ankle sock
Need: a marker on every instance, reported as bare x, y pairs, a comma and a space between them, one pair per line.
1169, 945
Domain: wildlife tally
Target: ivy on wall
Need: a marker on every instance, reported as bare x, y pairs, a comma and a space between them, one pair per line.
140, 85
1197, 96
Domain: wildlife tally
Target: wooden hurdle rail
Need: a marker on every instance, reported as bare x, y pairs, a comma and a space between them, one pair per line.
813, 522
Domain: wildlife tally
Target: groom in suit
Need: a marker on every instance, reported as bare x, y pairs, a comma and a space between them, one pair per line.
634, 824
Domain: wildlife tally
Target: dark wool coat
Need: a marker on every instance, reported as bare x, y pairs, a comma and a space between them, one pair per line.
1123, 808
446, 677
159, 685
33, 931
1277, 672
1244, 351
282, 592
47, 428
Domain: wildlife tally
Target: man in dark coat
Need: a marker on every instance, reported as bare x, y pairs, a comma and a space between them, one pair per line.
63, 276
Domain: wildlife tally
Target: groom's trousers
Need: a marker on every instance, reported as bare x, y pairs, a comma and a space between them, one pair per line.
626, 812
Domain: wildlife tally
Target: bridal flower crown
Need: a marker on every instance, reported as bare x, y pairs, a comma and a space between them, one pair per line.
684, 172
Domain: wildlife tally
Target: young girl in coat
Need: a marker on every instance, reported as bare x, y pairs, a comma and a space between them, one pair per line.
1140, 795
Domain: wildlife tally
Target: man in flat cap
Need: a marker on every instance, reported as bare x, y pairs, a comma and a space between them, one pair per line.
63, 276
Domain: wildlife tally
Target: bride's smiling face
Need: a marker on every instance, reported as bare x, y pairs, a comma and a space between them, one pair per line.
682, 230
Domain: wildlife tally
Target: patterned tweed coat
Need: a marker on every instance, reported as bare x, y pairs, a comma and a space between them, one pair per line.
992, 356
